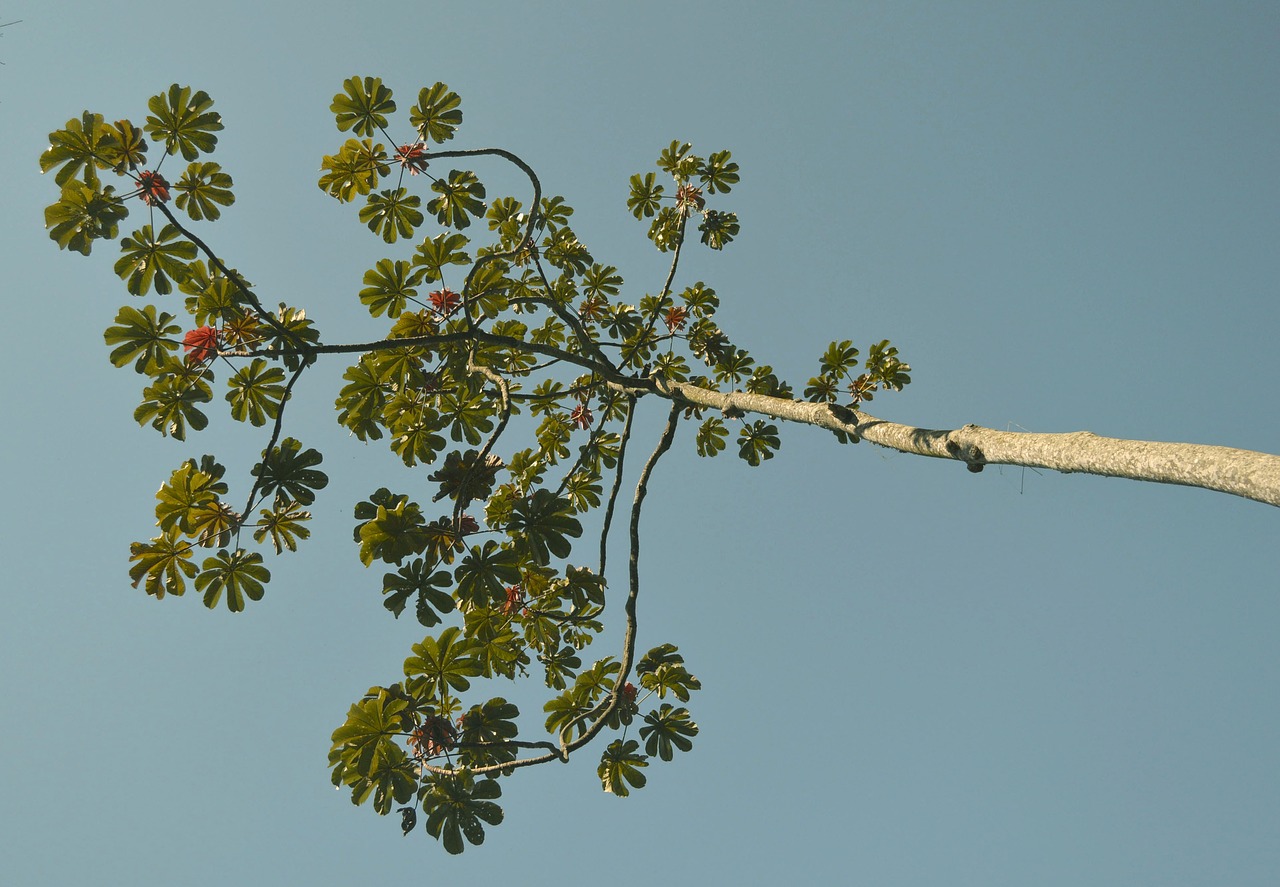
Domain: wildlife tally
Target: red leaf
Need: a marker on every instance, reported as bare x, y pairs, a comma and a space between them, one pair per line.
411, 156
202, 343
152, 187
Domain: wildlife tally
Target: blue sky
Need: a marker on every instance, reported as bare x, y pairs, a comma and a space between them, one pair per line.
1064, 215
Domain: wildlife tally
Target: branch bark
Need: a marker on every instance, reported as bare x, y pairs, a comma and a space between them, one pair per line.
1245, 473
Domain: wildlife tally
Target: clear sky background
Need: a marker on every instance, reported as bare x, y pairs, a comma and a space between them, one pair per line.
1064, 214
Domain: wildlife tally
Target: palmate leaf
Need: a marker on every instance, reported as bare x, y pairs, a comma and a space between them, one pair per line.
82, 215
129, 151
643, 201
300, 332
393, 214
462, 479
485, 573
711, 436
718, 228
148, 259
202, 189
169, 404
456, 805
391, 529
469, 412
413, 435
439, 252
389, 286
239, 574
367, 739
719, 173
183, 121
663, 671
284, 524
212, 524
620, 766
354, 170
666, 729
83, 145
676, 159
444, 663
499, 649
418, 577
461, 197
363, 105
165, 563
485, 729
437, 113
757, 441
143, 337
256, 393
291, 471
190, 487
541, 524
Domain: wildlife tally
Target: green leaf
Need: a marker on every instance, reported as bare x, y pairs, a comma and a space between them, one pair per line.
711, 437
354, 170
485, 573
393, 214
256, 392
456, 805
165, 562
620, 766
463, 479
290, 470
540, 524
643, 201
839, 359
437, 113
718, 228
363, 105
183, 121
666, 230
360, 403
144, 336
461, 197
82, 215
129, 151
757, 441
391, 529
485, 731
169, 404
676, 160
84, 145
240, 574
439, 252
417, 577
666, 729
148, 259
445, 662
284, 524
663, 671
389, 286
190, 487
365, 756
719, 173
203, 188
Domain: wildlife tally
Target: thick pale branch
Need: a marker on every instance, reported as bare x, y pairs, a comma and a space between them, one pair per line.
1245, 473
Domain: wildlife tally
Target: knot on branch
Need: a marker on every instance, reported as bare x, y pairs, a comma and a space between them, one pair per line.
970, 454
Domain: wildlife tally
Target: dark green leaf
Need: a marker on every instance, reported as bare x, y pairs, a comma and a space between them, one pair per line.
291, 471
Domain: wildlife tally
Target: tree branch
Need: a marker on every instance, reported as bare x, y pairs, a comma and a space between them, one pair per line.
1245, 473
